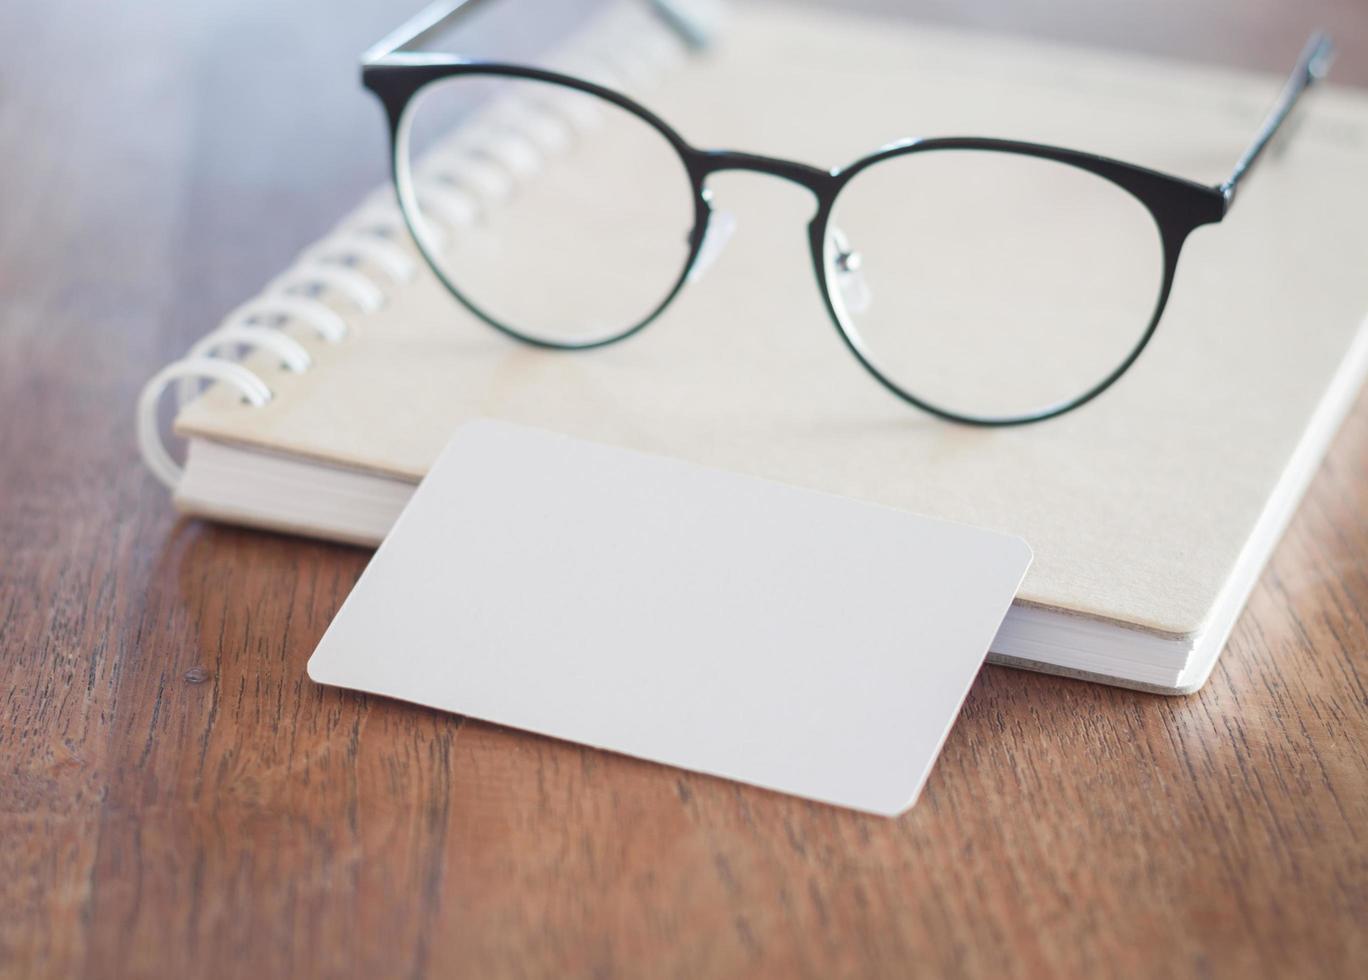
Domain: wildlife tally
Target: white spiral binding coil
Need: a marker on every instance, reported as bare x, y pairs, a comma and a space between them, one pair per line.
345, 246
154, 452
473, 171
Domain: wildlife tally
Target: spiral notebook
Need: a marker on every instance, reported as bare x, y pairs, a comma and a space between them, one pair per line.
1151, 511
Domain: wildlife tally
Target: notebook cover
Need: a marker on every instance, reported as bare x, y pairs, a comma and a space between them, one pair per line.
1137, 505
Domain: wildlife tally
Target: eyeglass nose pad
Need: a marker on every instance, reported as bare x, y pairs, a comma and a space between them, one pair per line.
721, 227
843, 266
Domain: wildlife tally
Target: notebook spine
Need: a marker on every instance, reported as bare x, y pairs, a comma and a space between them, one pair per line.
354, 271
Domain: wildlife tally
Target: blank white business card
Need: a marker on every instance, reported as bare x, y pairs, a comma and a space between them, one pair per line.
794, 640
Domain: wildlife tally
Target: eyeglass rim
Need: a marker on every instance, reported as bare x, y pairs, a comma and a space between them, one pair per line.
398, 103
1178, 206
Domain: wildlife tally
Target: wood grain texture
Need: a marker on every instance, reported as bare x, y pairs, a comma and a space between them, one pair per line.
177, 799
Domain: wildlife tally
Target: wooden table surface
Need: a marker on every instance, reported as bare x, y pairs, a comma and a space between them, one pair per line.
177, 798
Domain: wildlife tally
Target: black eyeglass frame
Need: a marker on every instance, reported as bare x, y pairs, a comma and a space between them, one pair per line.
1178, 206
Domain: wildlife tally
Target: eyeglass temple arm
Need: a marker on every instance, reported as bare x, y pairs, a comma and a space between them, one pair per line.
1311, 68
693, 30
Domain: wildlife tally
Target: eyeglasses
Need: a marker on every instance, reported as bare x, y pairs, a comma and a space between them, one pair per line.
990, 282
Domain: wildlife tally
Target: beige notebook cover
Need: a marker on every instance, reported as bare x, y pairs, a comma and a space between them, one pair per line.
1137, 506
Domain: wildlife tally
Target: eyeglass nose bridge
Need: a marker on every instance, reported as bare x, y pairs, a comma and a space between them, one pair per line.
703, 163
824, 185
